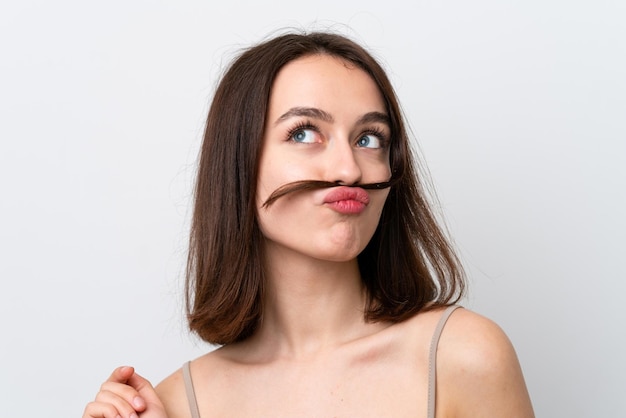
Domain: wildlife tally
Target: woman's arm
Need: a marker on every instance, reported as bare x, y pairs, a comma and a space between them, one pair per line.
478, 371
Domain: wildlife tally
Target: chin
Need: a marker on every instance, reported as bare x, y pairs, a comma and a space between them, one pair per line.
340, 253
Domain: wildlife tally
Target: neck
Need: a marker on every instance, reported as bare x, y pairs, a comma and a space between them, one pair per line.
310, 305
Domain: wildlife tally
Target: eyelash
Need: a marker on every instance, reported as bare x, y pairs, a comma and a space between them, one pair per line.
300, 126
384, 141
379, 133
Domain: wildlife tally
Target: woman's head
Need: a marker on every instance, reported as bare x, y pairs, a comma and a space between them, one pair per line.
406, 265
326, 121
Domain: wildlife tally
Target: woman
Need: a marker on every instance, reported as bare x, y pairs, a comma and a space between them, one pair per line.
316, 262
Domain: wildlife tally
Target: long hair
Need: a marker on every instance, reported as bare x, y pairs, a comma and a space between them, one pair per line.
408, 266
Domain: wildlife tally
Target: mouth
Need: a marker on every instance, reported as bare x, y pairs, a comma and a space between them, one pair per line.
347, 200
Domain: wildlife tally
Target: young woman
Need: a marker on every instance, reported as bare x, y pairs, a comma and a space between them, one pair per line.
316, 262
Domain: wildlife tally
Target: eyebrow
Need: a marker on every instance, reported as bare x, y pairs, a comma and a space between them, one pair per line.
315, 113
371, 117
311, 112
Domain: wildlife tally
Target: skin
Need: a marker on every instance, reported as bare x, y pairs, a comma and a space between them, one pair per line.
314, 354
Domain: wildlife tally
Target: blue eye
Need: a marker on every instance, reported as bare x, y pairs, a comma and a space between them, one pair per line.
305, 136
369, 141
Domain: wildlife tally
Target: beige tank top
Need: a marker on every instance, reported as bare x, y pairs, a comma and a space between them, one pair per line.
432, 370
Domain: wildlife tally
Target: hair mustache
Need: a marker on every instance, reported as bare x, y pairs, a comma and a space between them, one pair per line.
308, 185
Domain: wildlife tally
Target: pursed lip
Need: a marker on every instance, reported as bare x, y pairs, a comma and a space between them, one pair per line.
347, 200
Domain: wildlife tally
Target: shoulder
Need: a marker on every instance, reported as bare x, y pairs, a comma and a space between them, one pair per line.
474, 339
172, 393
478, 371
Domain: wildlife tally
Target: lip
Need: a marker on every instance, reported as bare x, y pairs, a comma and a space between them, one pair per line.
347, 200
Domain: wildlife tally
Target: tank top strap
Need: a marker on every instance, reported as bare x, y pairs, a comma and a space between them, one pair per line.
191, 393
432, 360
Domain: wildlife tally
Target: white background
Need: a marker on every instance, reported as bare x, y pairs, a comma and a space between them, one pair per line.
519, 108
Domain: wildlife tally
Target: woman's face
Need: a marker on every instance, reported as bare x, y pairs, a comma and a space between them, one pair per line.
326, 120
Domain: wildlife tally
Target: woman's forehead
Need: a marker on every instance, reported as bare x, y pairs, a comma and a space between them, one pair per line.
324, 82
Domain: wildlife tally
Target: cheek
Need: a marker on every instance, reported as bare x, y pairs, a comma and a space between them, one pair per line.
375, 167
269, 177
276, 172
380, 200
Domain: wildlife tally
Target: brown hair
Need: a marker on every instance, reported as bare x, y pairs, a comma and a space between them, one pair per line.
408, 266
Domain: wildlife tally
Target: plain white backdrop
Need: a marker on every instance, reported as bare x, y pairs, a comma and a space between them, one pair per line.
519, 108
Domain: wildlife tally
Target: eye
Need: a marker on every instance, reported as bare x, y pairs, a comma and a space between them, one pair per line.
369, 141
304, 135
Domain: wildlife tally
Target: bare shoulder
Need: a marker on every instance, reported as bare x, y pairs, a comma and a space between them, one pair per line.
172, 393
475, 341
478, 371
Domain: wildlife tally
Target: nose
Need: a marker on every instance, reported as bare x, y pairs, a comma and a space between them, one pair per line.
343, 167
